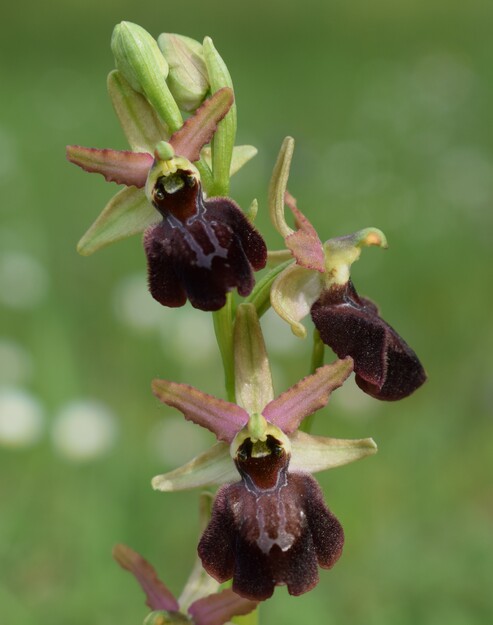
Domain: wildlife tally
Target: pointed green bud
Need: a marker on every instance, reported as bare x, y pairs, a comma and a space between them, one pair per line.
187, 78
143, 65
342, 252
224, 139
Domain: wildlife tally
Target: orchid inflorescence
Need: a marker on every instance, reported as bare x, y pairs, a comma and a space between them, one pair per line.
269, 524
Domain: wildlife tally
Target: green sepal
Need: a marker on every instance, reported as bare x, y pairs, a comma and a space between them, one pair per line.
318, 453
223, 328
210, 468
241, 155
293, 293
127, 213
139, 121
253, 379
278, 185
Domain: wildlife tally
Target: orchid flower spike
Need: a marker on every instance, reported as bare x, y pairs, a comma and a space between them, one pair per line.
269, 523
319, 284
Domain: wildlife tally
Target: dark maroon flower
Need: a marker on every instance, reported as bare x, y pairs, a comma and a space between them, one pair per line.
319, 283
385, 366
197, 248
270, 529
202, 248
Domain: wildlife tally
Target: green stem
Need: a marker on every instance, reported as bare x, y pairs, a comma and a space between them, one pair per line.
316, 362
260, 296
248, 619
223, 327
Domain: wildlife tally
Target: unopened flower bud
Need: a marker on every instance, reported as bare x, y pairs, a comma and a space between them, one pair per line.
187, 79
142, 63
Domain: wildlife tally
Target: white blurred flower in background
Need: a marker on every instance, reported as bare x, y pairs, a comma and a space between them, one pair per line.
21, 418
83, 430
133, 305
23, 280
173, 441
16, 364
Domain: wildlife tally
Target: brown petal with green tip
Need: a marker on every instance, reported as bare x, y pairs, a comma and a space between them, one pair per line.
199, 129
220, 608
120, 166
221, 417
310, 394
158, 595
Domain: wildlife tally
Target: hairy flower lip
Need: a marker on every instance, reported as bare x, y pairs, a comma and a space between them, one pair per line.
201, 250
386, 367
263, 517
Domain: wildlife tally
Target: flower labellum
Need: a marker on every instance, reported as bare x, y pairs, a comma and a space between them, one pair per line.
386, 367
272, 528
202, 248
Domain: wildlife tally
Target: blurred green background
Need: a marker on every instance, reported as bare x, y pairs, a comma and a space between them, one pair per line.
391, 106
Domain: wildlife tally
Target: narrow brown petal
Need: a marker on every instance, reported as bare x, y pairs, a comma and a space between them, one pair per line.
219, 608
201, 126
307, 396
304, 244
120, 166
221, 417
158, 595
